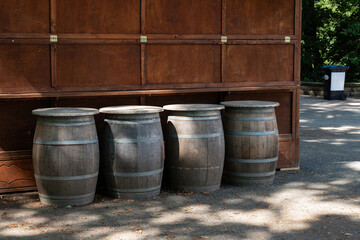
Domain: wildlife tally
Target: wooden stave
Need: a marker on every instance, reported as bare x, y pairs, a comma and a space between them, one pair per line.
120, 183
239, 170
183, 174
57, 184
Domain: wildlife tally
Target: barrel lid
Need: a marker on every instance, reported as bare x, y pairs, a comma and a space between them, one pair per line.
131, 109
193, 107
65, 112
250, 104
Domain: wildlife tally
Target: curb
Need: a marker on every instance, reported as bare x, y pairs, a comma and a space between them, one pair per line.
317, 89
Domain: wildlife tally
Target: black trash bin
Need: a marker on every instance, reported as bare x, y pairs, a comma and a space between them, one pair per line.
334, 82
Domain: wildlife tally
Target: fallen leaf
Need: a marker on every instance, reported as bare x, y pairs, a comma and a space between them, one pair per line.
170, 236
13, 226
204, 236
205, 193
184, 193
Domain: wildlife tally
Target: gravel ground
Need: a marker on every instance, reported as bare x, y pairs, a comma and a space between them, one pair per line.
320, 201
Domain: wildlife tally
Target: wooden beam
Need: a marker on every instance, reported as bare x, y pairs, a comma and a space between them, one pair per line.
53, 16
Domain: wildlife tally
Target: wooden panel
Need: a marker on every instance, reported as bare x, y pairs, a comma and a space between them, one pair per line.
259, 63
283, 112
182, 64
93, 16
24, 16
260, 17
98, 65
18, 124
183, 16
16, 174
24, 66
287, 153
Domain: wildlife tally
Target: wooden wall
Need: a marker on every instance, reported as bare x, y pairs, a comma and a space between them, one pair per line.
99, 60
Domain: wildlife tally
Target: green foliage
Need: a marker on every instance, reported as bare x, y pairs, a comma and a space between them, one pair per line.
331, 35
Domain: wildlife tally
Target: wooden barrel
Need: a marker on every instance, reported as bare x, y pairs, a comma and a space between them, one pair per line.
66, 155
132, 153
252, 142
195, 147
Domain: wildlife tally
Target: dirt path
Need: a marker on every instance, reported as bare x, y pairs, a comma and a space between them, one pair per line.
320, 201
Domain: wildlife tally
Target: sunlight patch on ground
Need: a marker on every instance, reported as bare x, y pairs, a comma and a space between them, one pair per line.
16, 232
341, 182
355, 166
302, 206
339, 129
334, 141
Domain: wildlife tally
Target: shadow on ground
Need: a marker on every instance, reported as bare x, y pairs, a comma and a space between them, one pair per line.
320, 201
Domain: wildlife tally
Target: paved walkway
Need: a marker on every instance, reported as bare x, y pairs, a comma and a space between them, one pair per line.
320, 201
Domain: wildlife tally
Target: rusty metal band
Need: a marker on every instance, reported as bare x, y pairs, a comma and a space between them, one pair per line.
236, 133
66, 142
142, 190
67, 197
266, 160
138, 174
132, 122
66, 178
136, 140
265, 174
186, 118
269, 110
252, 119
54, 124
212, 135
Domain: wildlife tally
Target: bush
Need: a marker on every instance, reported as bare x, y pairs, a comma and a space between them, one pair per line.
331, 35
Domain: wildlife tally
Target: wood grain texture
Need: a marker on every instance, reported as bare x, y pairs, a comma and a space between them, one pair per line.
90, 73
259, 63
183, 16
260, 17
195, 150
283, 112
16, 173
17, 123
132, 155
182, 64
92, 16
66, 160
19, 16
98, 65
248, 156
24, 66
97, 102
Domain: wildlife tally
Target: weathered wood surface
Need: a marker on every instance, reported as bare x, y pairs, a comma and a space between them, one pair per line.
252, 142
132, 153
195, 147
103, 56
66, 156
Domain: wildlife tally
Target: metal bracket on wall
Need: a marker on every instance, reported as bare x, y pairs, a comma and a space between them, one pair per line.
223, 39
53, 38
287, 39
143, 39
